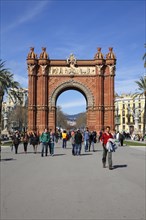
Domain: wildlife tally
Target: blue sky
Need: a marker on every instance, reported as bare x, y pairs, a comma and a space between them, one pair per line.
77, 27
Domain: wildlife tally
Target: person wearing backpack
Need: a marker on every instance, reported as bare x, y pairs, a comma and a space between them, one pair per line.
16, 141
64, 139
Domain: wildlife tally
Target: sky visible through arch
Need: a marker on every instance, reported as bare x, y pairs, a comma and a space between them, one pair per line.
78, 27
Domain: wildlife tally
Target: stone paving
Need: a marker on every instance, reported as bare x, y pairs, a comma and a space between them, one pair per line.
73, 187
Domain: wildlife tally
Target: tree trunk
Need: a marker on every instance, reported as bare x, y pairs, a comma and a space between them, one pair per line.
1, 100
144, 116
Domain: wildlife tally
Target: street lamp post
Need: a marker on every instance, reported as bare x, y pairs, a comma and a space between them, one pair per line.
117, 118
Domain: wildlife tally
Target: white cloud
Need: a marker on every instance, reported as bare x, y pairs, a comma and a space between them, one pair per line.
27, 15
73, 104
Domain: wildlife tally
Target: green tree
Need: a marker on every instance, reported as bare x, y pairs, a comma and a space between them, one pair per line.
61, 119
81, 120
142, 91
7, 82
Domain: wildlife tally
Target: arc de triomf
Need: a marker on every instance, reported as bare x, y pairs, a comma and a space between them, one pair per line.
48, 78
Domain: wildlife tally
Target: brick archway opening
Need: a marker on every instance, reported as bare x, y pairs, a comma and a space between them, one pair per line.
71, 85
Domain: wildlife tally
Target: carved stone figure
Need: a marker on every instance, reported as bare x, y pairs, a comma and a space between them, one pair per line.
43, 69
99, 67
98, 55
71, 61
31, 68
111, 69
31, 54
44, 55
110, 55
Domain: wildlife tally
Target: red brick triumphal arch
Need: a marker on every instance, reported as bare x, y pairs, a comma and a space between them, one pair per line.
48, 78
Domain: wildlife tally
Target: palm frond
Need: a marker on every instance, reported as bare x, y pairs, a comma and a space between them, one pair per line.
141, 84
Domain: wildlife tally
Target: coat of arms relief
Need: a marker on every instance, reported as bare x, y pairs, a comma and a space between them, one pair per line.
71, 68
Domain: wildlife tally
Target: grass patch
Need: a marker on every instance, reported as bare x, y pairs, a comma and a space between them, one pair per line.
5, 144
132, 143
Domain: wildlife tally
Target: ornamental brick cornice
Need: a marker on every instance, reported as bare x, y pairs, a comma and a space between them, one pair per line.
31, 108
43, 62
32, 61
42, 107
99, 108
109, 108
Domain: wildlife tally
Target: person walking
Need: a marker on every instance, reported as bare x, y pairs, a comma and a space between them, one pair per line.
64, 139
44, 140
104, 139
25, 140
92, 139
52, 143
86, 139
34, 141
73, 142
120, 137
16, 140
78, 142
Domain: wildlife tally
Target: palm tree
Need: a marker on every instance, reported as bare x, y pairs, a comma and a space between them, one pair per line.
6, 83
142, 88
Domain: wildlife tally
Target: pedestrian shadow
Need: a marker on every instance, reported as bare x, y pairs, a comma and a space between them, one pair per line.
7, 159
87, 154
120, 166
59, 155
29, 152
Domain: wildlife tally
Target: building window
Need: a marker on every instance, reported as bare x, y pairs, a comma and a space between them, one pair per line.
139, 127
123, 127
139, 119
123, 120
128, 119
123, 112
123, 106
139, 105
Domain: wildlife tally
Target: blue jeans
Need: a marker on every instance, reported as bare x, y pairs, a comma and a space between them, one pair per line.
52, 148
86, 143
73, 149
44, 147
63, 143
77, 149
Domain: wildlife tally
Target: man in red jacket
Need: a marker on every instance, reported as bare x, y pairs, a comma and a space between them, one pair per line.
104, 139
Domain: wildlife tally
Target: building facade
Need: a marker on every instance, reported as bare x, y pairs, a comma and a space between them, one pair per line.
129, 113
9, 104
48, 78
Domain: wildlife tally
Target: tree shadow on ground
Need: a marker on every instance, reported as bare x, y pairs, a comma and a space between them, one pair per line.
120, 166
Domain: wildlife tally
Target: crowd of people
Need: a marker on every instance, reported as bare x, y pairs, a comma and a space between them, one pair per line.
79, 139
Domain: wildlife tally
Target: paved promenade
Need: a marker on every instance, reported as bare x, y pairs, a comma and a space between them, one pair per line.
73, 187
